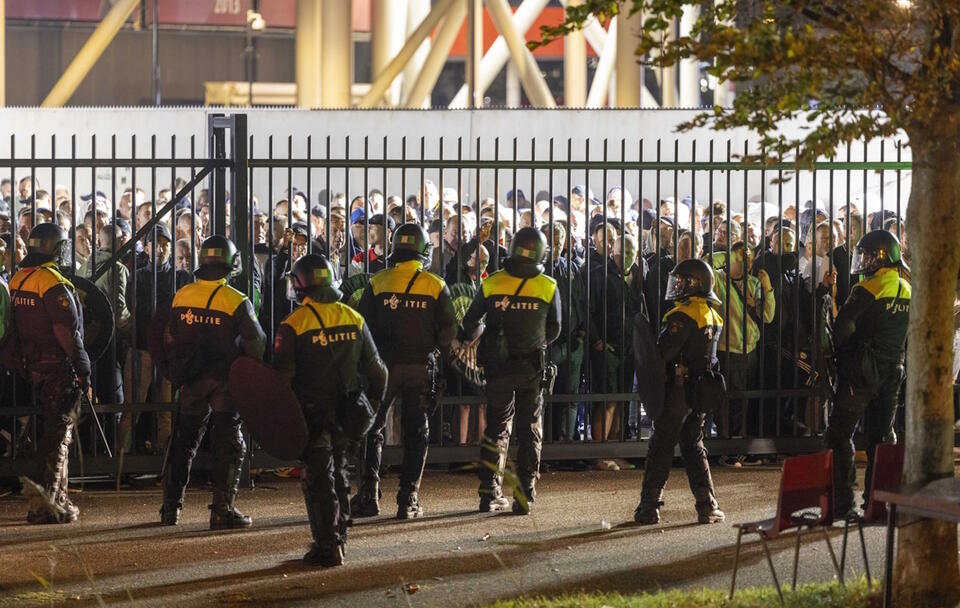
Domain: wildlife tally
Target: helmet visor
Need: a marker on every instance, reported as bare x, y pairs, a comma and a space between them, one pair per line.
678, 287
291, 287
864, 261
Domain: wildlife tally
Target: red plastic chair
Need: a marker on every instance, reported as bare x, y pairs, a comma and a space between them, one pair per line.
887, 472
805, 501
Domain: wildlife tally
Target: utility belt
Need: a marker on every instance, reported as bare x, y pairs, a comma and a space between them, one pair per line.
538, 360
706, 390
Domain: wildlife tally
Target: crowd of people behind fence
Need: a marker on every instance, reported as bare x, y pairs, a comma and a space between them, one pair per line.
780, 279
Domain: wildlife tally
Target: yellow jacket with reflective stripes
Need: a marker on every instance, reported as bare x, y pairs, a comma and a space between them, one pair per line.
875, 315
410, 313
526, 309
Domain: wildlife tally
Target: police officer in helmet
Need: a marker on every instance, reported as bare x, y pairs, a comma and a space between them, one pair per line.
687, 344
870, 334
520, 307
325, 350
49, 325
411, 316
211, 324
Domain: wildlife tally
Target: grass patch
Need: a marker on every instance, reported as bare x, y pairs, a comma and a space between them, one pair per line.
818, 595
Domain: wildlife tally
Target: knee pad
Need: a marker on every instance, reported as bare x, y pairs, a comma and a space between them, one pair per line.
227, 437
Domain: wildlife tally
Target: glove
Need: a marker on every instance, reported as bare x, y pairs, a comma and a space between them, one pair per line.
84, 381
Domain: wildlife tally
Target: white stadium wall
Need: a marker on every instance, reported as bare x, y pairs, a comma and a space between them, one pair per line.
619, 128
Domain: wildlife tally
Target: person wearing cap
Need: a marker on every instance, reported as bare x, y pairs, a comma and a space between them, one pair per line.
516, 313
358, 232
291, 247
870, 333
410, 313
113, 282
149, 297
379, 229
323, 371
48, 320
210, 325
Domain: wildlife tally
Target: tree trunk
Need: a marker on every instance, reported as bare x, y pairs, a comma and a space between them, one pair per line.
927, 571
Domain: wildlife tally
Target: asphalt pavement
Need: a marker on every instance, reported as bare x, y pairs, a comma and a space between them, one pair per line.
581, 536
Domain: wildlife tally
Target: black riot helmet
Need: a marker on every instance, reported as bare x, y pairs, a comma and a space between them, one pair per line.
691, 278
877, 249
527, 249
410, 242
219, 258
48, 242
312, 275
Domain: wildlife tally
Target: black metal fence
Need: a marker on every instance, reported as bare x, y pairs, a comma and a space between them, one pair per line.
777, 301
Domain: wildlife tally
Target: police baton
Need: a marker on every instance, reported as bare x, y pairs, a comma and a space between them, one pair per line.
96, 419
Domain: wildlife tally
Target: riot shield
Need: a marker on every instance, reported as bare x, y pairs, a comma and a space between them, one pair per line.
98, 321
269, 408
651, 371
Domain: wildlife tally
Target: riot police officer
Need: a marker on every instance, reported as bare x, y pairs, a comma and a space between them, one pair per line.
324, 348
211, 323
49, 326
410, 314
521, 308
870, 334
687, 345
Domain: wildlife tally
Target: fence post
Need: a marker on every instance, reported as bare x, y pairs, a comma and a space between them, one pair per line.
240, 202
216, 125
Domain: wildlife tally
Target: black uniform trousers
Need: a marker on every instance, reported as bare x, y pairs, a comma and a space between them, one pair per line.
677, 424
513, 395
326, 488
877, 405
408, 383
203, 401
59, 396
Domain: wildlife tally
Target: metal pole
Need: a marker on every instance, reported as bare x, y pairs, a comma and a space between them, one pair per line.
497, 55
689, 68
600, 87
513, 88
629, 71
575, 66
389, 30
593, 31
308, 54
534, 85
439, 51
474, 51
154, 27
88, 55
417, 13
668, 74
383, 81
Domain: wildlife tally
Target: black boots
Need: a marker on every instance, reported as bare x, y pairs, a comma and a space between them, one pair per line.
523, 498
325, 555
647, 513
366, 503
408, 506
708, 513
224, 516
492, 500
170, 513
